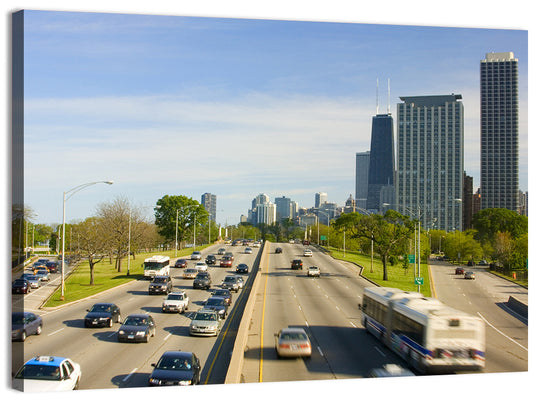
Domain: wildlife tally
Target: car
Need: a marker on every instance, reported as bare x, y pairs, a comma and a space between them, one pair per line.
160, 285
202, 281
459, 270
102, 314
181, 263
234, 283
40, 261
201, 266
291, 241
218, 304
308, 252
293, 342
34, 281
390, 370
48, 374
176, 302
43, 274
24, 324
483, 263
257, 244
190, 273
222, 251
313, 271
248, 250
470, 275
223, 292
211, 259
205, 323
471, 263
20, 286
196, 255
306, 242
242, 268
297, 264
53, 267
230, 254
226, 261
278, 250
176, 368
137, 327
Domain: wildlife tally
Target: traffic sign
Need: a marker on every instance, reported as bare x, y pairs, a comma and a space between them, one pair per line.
411, 258
419, 280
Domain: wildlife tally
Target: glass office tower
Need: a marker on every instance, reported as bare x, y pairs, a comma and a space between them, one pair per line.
499, 131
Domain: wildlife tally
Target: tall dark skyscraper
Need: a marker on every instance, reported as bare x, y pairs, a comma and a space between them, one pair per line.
381, 166
499, 131
209, 201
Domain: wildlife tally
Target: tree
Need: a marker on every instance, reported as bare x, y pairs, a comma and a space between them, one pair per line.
489, 222
188, 212
389, 233
91, 243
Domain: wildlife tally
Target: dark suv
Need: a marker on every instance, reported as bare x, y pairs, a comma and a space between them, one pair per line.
202, 281
297, 264
160, 285
211, 259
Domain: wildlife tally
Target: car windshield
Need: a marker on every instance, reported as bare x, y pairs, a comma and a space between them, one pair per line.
293, 336
135, 321
176, 297
160, 279
215, 302
100, 307
173, 363
230, 279
205, 316
220, 292
190, 270
39, 372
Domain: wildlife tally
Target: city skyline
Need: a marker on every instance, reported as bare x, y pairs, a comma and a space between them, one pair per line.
287, 120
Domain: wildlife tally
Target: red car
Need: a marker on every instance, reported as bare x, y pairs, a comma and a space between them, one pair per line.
226, 261
181, 263
459, 270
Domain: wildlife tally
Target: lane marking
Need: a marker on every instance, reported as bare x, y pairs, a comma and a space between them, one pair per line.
129, 375
380, 352
55, 332
502, 333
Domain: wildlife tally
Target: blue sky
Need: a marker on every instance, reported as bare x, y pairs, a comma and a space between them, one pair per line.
236, 107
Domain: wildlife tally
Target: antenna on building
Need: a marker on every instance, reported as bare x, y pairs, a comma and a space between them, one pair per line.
377, 96
388, 96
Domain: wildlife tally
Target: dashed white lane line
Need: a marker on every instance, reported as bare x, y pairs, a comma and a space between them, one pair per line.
56, 331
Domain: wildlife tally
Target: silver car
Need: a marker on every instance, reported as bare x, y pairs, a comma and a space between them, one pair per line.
205, 323
293, 342
233, 283
34, 281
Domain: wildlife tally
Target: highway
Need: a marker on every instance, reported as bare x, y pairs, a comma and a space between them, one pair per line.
106, 363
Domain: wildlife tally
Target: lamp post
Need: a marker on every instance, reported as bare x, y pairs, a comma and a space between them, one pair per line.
318, 224
194, 231
66, 196
129, 236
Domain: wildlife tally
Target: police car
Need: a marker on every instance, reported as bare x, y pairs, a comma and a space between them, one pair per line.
48, 374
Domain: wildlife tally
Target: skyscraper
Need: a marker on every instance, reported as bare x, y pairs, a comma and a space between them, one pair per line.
320, 198
209, 201
499, 131
381, 166
430, 160
362, 161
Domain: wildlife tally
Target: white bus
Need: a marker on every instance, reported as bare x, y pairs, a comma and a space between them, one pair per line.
429, 335
157, 265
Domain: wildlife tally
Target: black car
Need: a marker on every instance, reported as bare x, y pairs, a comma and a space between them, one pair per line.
20, 286
24, 324
160, 285
102, 315
279, 250
223, 292
137, 327
202, 281
181, 263
297, 264
218, 304
211, 259
176, 368
242, 268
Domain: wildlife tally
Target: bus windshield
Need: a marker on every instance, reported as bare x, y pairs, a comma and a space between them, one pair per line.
153, 265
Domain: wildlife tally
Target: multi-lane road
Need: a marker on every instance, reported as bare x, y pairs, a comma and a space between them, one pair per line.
326, 307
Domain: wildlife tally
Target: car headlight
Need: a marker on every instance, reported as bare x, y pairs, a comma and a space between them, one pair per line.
121, 332
155, 381
188, 382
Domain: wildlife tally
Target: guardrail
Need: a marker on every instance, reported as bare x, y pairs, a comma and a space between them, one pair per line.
233, 375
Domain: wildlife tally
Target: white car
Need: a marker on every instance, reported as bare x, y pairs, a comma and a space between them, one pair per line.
201, 266
176, 302
48, 374
313, 271
248, 250
308, 252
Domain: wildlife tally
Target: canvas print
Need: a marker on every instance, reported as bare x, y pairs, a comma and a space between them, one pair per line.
215, 201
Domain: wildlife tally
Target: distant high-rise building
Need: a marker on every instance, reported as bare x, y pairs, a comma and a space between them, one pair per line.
362, 162
266, 213
320, 198
381, 165
429, 178
209, 201
499, 131
283, 208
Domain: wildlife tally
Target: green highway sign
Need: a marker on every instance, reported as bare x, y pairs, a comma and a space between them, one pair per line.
323, 238
419, 280
411, 258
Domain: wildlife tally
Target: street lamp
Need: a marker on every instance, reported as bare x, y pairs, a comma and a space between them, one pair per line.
318, 224
70, 193
177, 217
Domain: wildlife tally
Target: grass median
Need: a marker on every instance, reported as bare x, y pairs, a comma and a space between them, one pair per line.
105, 277
398, 277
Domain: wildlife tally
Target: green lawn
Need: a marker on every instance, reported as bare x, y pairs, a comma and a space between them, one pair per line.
105, 277
397, 276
